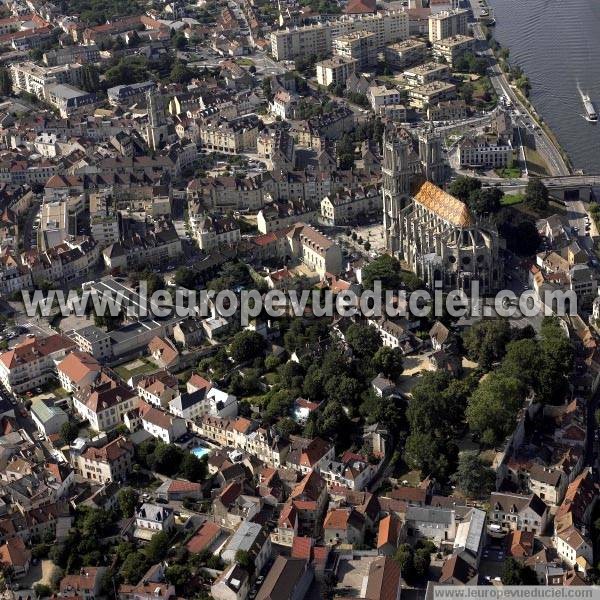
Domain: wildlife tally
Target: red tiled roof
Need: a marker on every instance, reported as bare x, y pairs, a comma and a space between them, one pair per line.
204, 537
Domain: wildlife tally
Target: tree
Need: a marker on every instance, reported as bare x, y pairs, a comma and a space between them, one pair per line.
364, 340
513, 573
192, 468
178, 575
405, 557
473, 477
386, 269
134, 566
90, 81
157, 548
245, 560
334, 422
69, 432
462, 187
493, 407
430, 455
167, 458
536, 194
422, 560
128, 499
246, 345
180, 73
179, 41
389, 362
185, 278
485, 201
42, 590
6, 88
438, 405
486, 341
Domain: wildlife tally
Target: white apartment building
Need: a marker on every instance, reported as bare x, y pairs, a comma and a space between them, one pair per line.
292, 43
111, 462
33, 362
451, 48
485, 152
31, 78
358, 45
388, 26
405, 54
380, 96
426, 73
213, 231
335, 70
447, 23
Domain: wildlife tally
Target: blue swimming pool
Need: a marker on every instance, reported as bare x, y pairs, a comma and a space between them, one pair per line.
200, 451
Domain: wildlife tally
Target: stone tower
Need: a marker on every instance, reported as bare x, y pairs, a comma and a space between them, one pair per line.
432, 158
398, 170
156, 130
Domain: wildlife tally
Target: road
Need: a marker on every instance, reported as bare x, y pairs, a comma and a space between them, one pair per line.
544, 145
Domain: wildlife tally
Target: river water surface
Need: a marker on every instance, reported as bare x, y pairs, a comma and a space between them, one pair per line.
557, 43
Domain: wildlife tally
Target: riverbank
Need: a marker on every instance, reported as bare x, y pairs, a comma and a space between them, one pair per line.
547, 146
558, 50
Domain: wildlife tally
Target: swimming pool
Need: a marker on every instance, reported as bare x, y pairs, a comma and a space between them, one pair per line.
200, 451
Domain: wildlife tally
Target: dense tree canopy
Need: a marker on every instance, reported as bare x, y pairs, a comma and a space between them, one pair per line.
473, 477
246, 345
485, 342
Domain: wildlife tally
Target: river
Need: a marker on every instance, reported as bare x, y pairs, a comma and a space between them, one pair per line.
557, 43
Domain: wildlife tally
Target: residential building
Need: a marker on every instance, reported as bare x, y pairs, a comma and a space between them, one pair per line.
381, 96
343, 526
249, 537
111, 462
288, 578
33, 362
292, 43
230, 137
48, 418
151, 519
160, 424
453, 47
452, 110
282, 214
92, 340
86, 584
129, 93
518, 512
485, 151
15, 555
388, 26
77, 370
212, 231
448, 23
407, 53
359, 46
423, 96
335, 70
33, 79
232, 584
426, 73
104, 403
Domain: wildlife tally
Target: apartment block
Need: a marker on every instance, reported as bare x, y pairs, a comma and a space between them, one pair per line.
335, 70
405, 54
431, 93
360, 46
388, 26
426, 73
311, 40
447, 23
453, 47
33, 79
